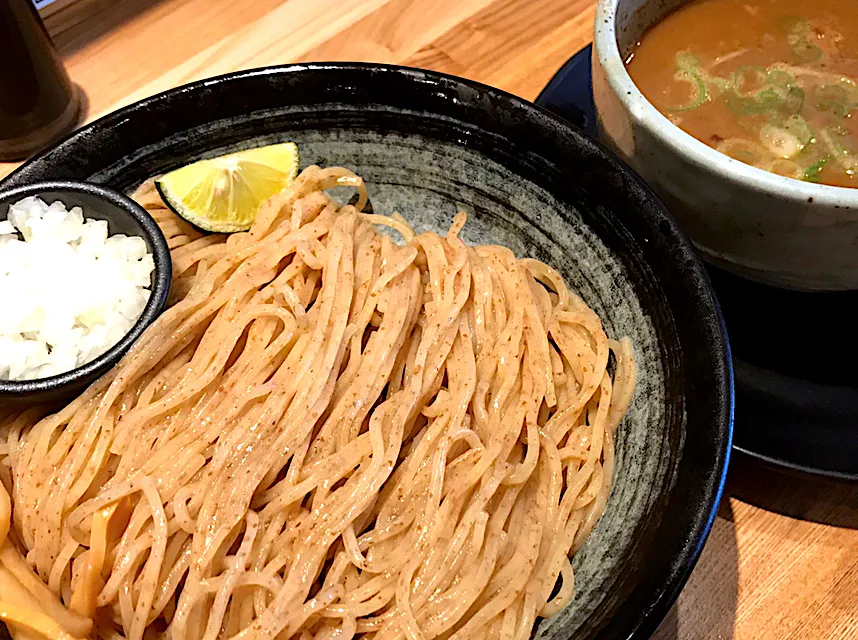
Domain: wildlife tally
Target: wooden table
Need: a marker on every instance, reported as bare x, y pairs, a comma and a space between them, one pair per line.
782, 559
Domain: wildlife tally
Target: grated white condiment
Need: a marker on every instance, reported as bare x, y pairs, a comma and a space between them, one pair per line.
68, 292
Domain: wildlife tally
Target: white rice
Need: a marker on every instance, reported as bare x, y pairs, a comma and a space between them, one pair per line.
68, 292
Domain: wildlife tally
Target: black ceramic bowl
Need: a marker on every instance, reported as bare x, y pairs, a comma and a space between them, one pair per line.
123, 215
428, 144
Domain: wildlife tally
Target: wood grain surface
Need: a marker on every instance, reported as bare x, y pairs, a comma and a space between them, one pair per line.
782, 560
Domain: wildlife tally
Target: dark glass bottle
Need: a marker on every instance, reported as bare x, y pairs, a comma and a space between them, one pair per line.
38, 102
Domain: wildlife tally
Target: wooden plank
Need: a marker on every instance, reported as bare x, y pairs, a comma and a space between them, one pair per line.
230, 42
396, 31
509, 48
781, 563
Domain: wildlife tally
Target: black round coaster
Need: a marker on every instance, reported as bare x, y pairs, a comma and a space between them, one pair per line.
795, 354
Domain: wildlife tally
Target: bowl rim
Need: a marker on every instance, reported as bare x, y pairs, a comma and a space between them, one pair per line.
678, 569
161, 277
690, 148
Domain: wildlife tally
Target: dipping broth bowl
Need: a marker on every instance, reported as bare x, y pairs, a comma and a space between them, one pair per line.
759, 225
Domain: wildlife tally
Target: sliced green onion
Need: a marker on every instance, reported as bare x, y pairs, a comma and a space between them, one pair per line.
794, 100
743, 150
773, 93
769, 98
744, 106
834, 98
798, 38
716, 85
832, 93
804, 50
686, 60
781, 78
738, 80
843, 156
793, 24
837, 108
786, 168
780, 142
811, 174
797, 126
699, 95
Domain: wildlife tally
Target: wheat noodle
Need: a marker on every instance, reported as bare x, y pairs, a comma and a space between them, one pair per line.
327, 435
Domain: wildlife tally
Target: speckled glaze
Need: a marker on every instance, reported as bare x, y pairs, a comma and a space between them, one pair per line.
429, 145
123, 215
759, 225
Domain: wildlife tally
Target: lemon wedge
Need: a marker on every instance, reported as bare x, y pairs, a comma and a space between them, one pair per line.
224, 194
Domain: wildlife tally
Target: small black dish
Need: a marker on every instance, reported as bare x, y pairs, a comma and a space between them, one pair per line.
796, 402
123, 215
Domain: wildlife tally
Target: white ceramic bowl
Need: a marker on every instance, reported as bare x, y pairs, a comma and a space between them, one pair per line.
754, 223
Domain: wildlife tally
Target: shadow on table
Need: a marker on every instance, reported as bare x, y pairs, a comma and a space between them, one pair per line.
76, 24
706, 608
803, 497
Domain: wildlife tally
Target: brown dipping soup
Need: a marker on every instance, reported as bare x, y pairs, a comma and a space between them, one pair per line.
773, 83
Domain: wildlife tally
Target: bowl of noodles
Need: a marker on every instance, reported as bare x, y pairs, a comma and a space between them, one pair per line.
463, 378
